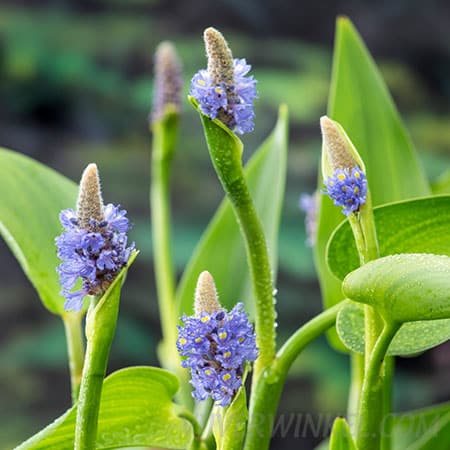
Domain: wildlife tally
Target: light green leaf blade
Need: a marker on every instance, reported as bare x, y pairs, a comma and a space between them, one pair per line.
403, 288
360, 102
411, 339
415, 226
221, 250
423, 429
32, 197
136, 409
341, 437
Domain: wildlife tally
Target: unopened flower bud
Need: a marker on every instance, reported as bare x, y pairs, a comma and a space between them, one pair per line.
168, 81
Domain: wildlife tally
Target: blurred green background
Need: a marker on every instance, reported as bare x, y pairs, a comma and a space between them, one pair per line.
76, 87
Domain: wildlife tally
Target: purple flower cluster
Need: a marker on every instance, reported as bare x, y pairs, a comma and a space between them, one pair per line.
216, 346
235, 102
347, 188
95, 255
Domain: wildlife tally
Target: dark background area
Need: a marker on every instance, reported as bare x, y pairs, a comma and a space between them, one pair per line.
76, 87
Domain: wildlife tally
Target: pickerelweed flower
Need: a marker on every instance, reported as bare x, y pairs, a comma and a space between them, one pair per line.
93, 245
308, 204
225, 90
216, 345
342, 168
347, 188
168, 81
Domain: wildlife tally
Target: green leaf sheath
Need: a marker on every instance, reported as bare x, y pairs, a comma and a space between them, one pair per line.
221, 249
100, 327
75, 350
136, 409
266, 392
341, 438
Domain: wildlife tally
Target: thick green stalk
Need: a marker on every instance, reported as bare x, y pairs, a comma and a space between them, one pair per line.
165, 132
100, 327
226, 155
371, 408
388, 419
75, 350
268, 387
357, 379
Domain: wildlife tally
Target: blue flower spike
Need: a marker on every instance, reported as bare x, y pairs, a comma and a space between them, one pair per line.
93, 246
342, 168
225, 91
216, 345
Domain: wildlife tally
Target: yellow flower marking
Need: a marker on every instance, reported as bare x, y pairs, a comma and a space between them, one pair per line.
208, 372
227, 354
201, 82
341, 176
226, 377
205, 319
182, 341
223, 335
198, 340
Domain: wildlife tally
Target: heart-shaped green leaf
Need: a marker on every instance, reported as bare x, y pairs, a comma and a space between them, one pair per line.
360, 102
414, 226
341, 437
403, 288
424, 429
136, 409
221, 250
32, 197
412, 338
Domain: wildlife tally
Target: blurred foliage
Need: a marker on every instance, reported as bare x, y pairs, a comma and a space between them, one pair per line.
76, 87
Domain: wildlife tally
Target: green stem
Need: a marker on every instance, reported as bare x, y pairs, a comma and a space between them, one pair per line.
357, 379
388, 419
100, 326
163, 146
75, 350
267, 389
162, 153
371, 405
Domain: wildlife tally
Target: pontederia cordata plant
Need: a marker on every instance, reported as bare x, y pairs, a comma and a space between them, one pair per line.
382, 252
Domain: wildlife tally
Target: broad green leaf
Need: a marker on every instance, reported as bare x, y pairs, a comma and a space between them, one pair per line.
32, 196
442, 184
136, 409
341, 437
424, 429
404, 287
221, 250
415, 226
360, 102
411, 339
